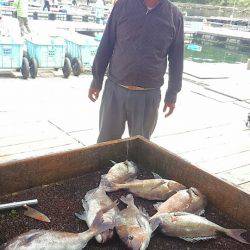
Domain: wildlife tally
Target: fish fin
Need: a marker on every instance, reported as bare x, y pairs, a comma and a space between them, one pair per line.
129, 200
98, 223
107, 185
197, 239
159, 184
85, 205
81, 216
90, 193
180, 213
200, 212
144, 212
131, 178
156, 205
155, 222
156, 176
236, 234
140, 221
118, 220
113, 162
135, 168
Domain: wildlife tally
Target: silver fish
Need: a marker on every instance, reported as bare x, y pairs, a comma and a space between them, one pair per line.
189, 200
151, 189
94, 201
54, 240
133, 227
121, 172
191, 227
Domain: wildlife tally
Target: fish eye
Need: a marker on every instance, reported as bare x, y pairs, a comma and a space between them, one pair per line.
130, 237
195, 191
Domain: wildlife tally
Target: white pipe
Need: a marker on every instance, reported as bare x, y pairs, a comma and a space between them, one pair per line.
18, 204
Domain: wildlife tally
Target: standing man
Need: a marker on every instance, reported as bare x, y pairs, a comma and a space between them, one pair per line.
99, 11
46, 5
22, 7
139, 39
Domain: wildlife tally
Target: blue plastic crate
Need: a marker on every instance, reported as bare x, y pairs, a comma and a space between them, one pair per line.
98, 36
48, 52
82, 47
11, 53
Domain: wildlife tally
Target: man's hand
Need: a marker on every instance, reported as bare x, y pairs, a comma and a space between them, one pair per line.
93, 94
168, 108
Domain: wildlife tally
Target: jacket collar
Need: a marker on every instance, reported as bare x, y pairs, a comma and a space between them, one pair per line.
160, 2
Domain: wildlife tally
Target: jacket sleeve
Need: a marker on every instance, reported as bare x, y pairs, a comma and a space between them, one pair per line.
105, 50
175, 58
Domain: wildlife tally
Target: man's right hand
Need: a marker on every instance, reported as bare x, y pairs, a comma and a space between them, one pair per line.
93, 94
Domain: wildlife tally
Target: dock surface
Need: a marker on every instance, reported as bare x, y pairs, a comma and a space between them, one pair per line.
51, 114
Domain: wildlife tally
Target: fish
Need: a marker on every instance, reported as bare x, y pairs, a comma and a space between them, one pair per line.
47, 239
150, 189
189, 200
133, 226
94, 201
35, 214
121, 172
192, 228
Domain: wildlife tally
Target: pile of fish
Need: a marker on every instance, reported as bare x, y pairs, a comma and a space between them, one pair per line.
178, 215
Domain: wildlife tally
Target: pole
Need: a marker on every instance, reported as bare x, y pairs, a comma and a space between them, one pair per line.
18, 204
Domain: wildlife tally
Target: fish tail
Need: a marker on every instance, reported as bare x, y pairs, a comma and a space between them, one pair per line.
107, 185
156, 176
129, 199
156, 215
98, 226
113, 162
236, 234
156, 205
81, 216
155, 221
135, 168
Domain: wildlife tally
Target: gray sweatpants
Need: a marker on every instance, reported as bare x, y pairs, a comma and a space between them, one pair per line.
139, 108
23, 23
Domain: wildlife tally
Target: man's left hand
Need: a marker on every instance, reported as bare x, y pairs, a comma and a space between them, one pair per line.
168, 108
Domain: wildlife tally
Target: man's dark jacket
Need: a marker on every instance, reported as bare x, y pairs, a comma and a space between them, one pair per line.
136, 45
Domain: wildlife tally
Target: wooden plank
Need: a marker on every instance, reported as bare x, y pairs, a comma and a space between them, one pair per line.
33, 136
236, 176
75, 122
25, 128
34, 146
202, 139
217, 151
88, 137
212, 95
221, 194
175, 127
226, 163
245, 187
38, 153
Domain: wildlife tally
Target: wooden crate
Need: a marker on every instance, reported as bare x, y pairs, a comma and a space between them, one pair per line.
20, 175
